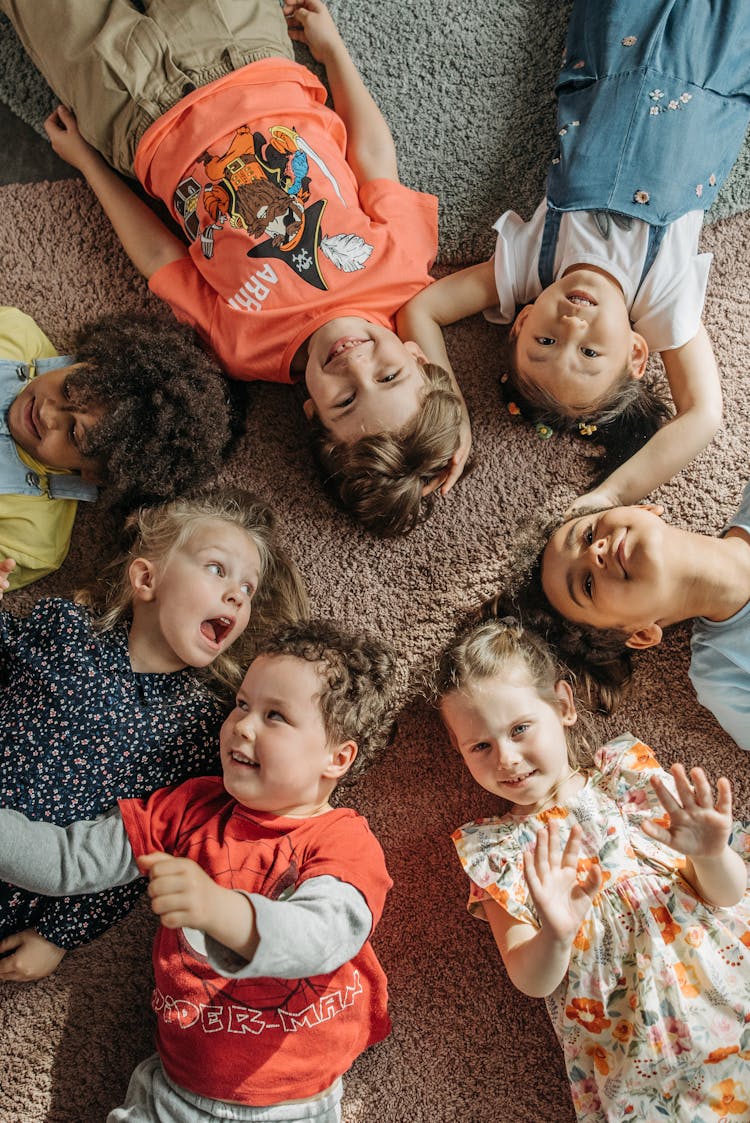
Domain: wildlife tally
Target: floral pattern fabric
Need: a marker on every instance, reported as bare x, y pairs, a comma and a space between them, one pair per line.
654, 1013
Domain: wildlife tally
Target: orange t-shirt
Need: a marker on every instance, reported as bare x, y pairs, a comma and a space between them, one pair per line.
283, 238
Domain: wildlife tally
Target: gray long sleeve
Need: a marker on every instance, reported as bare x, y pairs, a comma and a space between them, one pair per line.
321, 926
84, 857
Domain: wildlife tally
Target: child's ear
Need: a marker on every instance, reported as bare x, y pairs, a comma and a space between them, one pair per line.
519, 321
342, 758
638, 355
566, 702
308, 407
415, 350
142, 574
649, 636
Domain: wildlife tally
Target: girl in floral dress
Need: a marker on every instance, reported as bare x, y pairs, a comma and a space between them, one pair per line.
615, 891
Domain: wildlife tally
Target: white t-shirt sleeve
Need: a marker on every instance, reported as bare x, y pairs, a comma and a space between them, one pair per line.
516, 263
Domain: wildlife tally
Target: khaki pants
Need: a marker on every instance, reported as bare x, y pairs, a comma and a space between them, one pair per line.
119, 69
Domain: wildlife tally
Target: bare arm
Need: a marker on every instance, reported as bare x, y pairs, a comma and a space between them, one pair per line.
700, 831
696, 391
146, 240
371, 153
461, 294
537, 959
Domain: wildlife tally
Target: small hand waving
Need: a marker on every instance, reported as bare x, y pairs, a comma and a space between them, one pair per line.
560, 899
698, 827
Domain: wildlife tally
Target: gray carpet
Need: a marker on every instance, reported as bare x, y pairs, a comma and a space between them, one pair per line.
465, 1045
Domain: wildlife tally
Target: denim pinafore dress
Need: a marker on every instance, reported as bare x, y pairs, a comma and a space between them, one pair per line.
16, 478
653, 104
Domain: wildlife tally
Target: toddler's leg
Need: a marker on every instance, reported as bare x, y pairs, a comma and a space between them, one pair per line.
211, 37
108, 62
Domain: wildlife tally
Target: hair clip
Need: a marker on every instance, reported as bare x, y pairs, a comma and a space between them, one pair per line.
544, 430
586, 429
513, 409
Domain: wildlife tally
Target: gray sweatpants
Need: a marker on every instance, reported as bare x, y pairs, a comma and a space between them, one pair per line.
119, 70
153, 1098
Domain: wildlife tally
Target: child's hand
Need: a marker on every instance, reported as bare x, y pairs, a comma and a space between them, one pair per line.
696, 828
7, 565
310, 22
62, 129
560, 899
28, 956
181, 893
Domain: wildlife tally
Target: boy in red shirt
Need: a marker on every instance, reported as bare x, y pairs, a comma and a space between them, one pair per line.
303, 243
266, 986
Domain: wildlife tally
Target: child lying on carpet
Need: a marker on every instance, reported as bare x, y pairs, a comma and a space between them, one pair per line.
122, 697
267, 987
303, 243
637, 934
607, 269
608, 582
139, 408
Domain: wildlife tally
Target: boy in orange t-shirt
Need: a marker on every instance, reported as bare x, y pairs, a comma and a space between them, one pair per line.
303, 243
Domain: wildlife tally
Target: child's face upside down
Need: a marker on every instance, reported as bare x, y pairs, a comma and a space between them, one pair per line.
47, 424
362, 379
575, 341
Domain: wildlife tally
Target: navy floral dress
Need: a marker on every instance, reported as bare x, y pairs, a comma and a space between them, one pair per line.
80, 730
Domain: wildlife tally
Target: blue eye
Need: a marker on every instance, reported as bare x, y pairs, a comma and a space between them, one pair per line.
248, 589
520, 729
214, 567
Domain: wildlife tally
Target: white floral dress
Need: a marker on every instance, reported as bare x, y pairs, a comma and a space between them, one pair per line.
653, 1014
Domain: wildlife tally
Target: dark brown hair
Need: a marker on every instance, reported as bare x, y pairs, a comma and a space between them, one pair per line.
359, 698
597, 659
166, 423
378, 479
634, 409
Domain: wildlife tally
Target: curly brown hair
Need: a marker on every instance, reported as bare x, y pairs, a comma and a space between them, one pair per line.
597, 659
378, 480
360, 697
153, 532
166, 425
632, 412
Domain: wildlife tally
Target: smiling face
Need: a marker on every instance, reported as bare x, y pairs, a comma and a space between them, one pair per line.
192, 605
575, 341
362, 379
512, 741
47, 425
275, 751
617, 569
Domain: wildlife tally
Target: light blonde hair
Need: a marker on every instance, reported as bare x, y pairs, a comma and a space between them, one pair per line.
494, 649
155, 532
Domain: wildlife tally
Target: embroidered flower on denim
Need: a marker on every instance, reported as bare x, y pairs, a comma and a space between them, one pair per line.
712, 180
630, 40
685, 98
579, 65
641, 196
654, 111
699, 189
656, 95
674, 104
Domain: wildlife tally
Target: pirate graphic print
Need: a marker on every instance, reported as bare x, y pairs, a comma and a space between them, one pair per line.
261, 184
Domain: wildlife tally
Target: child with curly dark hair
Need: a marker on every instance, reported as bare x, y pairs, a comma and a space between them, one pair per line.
303, 243
267, 987
139, 409
652, 110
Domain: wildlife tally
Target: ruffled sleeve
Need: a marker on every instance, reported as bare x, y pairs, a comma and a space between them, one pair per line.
627, 767
491, 853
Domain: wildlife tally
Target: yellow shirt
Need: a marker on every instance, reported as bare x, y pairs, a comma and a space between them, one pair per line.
34, 529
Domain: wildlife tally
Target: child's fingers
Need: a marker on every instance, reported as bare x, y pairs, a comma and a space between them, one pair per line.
147, 862
704, 797
572, 847
724, 796
665, 796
